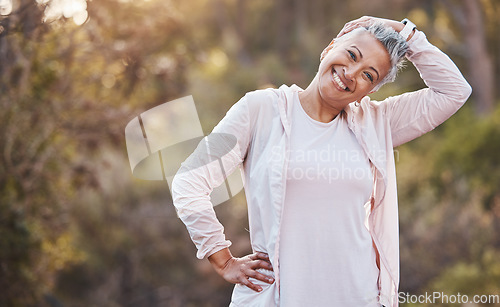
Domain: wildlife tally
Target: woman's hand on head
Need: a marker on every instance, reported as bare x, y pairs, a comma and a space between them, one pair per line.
239, 270
366, 21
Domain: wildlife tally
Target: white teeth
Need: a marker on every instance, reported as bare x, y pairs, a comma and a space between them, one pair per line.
339, 82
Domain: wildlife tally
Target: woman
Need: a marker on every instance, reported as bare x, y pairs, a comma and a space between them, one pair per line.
319, 172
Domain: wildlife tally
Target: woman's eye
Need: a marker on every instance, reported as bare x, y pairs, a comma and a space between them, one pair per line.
369, 76
353, 56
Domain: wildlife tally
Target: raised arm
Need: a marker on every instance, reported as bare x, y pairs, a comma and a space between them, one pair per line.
413, 114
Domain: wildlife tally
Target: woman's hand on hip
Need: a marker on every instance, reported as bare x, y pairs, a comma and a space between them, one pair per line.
239, 270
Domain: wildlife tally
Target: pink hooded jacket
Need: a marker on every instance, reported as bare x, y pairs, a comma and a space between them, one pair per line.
260, 121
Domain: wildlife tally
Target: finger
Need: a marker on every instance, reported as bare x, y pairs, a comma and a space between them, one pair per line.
261, 264
360, 22
261, 277
344, 28
259, 255
347, 29
343, 31
244, 280
262, 255
253, 256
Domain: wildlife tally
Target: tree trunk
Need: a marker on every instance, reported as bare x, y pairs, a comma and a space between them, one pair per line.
284, 29
479, 61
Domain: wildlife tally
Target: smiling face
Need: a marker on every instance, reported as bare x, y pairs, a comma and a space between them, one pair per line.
351, 69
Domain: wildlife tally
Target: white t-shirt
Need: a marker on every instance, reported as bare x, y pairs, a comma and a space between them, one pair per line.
326, 252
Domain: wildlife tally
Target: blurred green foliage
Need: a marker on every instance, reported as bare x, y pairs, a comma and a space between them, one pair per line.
450, 207
77, 230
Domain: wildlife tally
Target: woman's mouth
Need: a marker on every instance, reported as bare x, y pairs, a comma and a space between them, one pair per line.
338, 82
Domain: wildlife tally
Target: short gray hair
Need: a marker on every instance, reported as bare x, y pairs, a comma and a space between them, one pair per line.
394, 43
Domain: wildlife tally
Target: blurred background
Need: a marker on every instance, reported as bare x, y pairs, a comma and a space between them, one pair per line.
76, 229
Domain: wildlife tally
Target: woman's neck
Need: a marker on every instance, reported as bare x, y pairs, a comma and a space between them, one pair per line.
315, 106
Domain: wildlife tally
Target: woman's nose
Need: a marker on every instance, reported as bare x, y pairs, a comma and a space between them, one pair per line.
350, 73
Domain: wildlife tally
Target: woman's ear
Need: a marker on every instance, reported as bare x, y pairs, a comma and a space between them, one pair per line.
326, 50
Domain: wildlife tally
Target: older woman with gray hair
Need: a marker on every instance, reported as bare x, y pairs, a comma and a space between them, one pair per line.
319, 172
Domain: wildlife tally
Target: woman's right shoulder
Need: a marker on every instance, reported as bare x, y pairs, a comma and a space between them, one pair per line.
262, 100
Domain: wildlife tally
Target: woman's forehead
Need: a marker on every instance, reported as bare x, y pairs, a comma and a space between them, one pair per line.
370, 49
366, 42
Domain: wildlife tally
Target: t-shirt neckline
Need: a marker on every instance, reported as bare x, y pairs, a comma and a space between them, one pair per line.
312, 120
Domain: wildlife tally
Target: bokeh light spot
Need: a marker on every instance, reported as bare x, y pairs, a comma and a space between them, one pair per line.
5, 7
108, 80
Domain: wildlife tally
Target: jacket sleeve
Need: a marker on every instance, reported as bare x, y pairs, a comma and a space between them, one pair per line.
215, 158
415, 113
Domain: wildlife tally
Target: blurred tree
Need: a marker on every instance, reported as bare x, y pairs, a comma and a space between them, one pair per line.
63, 92
470, 17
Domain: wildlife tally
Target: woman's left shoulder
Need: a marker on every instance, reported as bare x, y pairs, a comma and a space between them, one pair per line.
368, 105
366, 109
